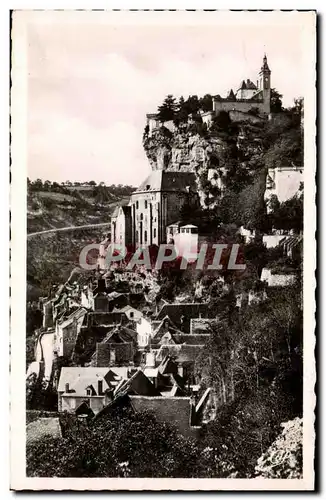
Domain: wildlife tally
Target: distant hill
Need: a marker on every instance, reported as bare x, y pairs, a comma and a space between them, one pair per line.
53, 205
51, 257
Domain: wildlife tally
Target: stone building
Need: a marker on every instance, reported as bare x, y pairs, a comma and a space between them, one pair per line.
248, 95
121, 225
157, 203
283, 182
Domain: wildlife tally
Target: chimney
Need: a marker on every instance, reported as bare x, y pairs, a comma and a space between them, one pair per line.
101, 285
67, 387
100, 387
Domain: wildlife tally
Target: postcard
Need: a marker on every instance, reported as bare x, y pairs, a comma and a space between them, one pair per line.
163, 250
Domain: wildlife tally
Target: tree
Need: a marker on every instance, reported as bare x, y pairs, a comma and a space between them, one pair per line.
182, 113
206, 103
276, 101
122, 445
192, 104
288, 215
167, 110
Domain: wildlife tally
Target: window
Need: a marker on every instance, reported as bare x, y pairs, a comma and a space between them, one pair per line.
154, 232
88, 392
141, 216
145, 203
131, 314
137, 205
145, 236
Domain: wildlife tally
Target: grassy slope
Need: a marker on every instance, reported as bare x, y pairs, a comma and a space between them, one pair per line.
52, 257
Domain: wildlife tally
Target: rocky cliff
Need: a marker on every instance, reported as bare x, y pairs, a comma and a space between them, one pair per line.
225, 156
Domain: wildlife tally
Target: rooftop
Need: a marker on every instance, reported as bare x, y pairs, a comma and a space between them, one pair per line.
160, 180
89, 374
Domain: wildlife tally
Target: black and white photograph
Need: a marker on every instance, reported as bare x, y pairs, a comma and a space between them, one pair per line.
163, 250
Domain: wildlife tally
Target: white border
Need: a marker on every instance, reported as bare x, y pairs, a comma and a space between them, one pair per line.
18, 266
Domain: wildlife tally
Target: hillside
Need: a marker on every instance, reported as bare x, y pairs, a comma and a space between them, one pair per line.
52, 257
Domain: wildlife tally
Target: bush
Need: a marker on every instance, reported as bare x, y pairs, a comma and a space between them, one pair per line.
283, 459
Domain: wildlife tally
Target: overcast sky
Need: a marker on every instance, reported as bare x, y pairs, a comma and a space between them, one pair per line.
90, 85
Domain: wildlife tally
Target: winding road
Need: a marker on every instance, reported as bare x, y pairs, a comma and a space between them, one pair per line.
69, 228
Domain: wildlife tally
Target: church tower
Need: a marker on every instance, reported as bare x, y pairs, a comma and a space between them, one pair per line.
265, 84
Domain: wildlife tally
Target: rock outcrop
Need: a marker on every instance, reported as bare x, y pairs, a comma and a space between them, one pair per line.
212, 154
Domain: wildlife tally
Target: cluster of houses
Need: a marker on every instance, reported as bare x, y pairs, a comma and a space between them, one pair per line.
107, 344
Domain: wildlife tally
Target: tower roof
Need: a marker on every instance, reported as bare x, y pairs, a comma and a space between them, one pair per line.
231, 95
265, 66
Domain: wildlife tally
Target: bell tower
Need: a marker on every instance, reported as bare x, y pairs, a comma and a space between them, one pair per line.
265, 84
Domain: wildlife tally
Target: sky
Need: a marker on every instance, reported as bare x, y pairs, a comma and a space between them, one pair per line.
91, 83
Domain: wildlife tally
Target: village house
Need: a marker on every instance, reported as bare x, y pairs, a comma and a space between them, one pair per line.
121, 226
93, 386
283, 182
67, 331
118, 348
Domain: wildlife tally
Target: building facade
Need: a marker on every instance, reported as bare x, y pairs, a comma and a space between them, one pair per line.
157, 202
121, 226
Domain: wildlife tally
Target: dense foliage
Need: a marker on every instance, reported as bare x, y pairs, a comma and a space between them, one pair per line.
106, 449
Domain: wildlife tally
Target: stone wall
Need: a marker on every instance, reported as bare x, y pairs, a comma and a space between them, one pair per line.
243, 106
123, 353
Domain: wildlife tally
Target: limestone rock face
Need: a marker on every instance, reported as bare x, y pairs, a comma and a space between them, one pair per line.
185, 151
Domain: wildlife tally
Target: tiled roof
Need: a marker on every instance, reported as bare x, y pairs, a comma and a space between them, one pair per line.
138, 384
177, 223
188, 310
160, 180
191, 339
231, 95
181, 353
119, 402
200, 325
79, 386
167, 366
106, 318
71, 374
123, 333
251, 85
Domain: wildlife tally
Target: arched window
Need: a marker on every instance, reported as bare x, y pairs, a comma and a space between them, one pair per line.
145, 203
145, 236
137, 204
141, 216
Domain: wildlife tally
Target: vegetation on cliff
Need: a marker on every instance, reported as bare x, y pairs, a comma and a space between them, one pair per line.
230, 157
